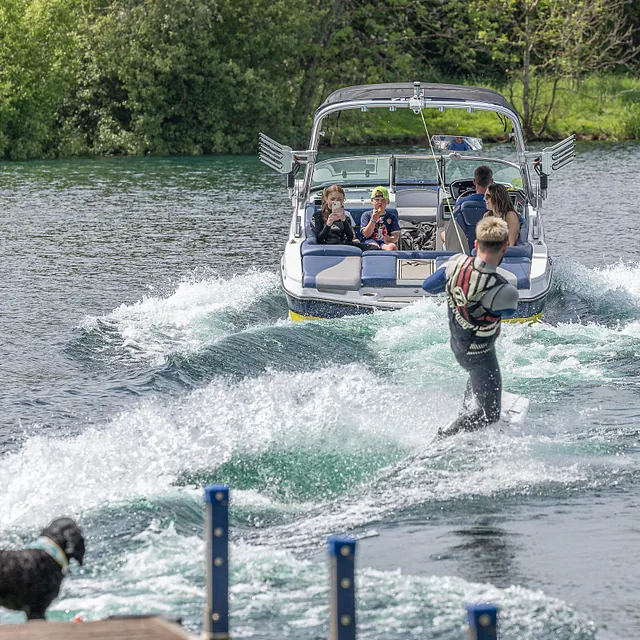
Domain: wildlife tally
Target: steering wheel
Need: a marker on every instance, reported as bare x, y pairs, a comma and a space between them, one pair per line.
461, 188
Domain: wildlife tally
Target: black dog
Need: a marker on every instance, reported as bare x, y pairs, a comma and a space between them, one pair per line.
30, 578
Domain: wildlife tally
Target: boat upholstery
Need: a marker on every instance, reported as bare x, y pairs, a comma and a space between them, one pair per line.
468, 216
521, 268
519, 251
312, 248
517, 260
332, 272
379, 268
340, 267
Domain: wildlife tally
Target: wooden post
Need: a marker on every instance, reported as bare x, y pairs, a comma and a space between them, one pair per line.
216, 618
342, 553
483, 621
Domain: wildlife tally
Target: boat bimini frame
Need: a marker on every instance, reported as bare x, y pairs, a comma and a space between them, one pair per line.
285, 160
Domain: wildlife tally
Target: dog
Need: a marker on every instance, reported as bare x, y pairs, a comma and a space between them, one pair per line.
30, 578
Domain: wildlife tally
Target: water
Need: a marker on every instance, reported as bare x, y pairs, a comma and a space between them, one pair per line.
146, 352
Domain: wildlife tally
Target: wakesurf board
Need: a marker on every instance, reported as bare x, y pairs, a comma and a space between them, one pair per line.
513, 413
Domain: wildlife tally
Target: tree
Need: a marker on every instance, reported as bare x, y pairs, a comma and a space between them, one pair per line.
38, 61
541, 42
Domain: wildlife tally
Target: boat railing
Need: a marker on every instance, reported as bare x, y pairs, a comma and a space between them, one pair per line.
482, 618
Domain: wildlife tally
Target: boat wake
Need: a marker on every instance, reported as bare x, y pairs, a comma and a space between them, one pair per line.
199, 312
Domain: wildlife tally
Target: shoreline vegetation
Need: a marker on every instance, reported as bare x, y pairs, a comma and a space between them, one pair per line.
604, 107
95, 78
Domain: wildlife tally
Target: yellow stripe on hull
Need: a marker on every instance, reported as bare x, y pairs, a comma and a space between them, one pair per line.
536, 317
296, 317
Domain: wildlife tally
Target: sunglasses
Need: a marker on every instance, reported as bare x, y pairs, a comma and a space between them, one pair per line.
379, 198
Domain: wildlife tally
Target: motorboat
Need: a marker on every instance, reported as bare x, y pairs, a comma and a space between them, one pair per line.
333, 280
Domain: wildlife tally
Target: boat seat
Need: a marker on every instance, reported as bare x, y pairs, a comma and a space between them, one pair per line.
468, 216
310, 247
332, 272
517, 260
519, 251
379, 268
520, 267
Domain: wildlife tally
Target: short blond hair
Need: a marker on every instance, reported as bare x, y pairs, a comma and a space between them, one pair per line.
492, 233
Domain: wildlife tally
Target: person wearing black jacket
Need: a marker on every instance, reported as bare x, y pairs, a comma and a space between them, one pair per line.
333, 224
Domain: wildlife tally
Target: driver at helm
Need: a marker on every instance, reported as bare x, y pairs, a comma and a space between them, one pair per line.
482, 178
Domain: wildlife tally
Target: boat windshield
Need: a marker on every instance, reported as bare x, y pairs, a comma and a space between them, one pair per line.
463, 168
351, 172
416, 170
407, 171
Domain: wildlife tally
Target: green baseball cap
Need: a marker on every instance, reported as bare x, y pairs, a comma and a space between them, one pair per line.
383, 190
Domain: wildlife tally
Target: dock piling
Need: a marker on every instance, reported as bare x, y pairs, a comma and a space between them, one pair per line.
483, 621
342, 553
216, 618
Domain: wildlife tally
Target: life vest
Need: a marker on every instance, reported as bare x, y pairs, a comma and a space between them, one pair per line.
465, 288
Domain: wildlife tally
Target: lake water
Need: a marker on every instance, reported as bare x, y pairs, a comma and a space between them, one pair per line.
146, 352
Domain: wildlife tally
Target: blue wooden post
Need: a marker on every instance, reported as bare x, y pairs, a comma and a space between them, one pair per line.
216, 618
483, 621
342, 552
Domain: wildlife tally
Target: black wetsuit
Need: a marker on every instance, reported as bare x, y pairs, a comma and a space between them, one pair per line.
477, 298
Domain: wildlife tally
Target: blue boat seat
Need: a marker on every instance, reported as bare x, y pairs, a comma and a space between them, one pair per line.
519, 251
521, 268
379, 268
311, 247
332, 272
468, 216
517, 260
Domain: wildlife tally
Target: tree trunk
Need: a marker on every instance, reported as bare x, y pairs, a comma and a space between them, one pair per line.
545, 122
526, 79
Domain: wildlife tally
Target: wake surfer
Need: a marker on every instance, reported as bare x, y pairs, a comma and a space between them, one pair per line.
479, 294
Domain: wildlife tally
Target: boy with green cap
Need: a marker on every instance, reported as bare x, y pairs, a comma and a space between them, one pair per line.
380, 227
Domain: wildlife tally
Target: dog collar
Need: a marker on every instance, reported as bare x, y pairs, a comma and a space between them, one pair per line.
49, 546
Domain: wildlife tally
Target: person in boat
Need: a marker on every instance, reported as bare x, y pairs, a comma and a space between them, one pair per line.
380, 228
479, 295
482, 178
499, 205
333, 224
459, 144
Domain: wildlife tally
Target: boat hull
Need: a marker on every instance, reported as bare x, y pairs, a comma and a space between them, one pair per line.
310, 309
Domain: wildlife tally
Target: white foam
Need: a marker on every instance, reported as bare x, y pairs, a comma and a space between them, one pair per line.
164, 570
143, 451
616, 284
186, 320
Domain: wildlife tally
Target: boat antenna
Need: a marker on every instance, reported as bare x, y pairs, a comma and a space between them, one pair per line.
441, 183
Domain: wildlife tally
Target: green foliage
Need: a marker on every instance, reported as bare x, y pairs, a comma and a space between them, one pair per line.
205, 76
37, 66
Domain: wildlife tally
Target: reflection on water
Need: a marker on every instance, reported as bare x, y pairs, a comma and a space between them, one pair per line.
485, 549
